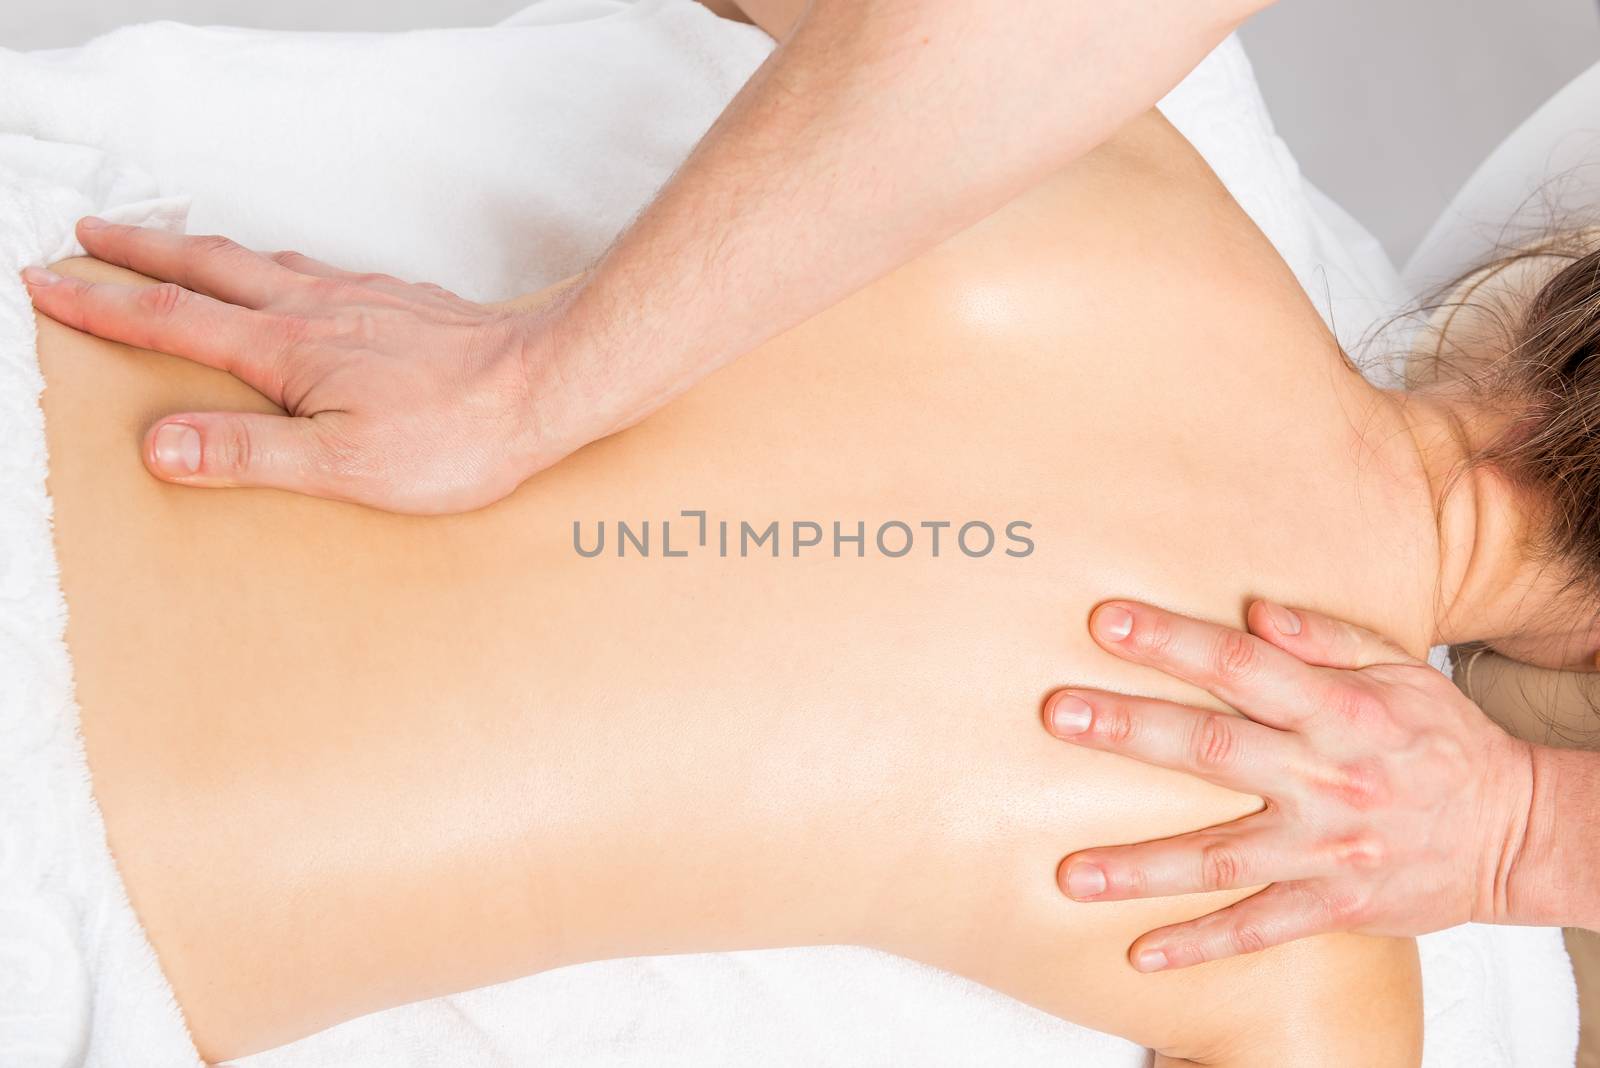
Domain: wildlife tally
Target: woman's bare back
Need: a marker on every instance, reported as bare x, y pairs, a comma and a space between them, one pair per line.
350, 759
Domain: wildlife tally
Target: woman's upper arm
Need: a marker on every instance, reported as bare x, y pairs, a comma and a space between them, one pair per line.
778, 16
1320, 1003
774, 16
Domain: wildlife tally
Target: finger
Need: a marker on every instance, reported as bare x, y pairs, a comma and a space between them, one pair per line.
168, 318
1246, 852
214, 266
1283, 912
300, 263
1219, 747
244, 449
369, 283
1258, 679
1317, 639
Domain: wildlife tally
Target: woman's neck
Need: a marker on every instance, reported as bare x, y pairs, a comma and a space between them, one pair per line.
1488, 584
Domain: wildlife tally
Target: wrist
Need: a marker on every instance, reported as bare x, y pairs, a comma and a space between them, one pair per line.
572, 386
1551, 878
1502, 826
605, 352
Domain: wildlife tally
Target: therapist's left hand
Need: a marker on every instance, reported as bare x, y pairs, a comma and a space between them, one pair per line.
1393, 805
398, 396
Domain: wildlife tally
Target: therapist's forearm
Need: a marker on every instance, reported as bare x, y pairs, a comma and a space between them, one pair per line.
877, 129
1555, 879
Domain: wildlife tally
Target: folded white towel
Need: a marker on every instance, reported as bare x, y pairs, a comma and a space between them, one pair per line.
78, 982
489, 161
497, 161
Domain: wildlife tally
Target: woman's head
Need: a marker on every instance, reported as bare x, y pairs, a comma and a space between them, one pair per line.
1516, 346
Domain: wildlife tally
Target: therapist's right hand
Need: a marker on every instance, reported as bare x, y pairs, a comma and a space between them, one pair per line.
1393, 805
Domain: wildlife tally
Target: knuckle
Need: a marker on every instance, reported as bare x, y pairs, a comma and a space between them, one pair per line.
215, 245
1214, 741
1115, 724
339, 324
286, 257
1187, 954
1361, 785
80, 302
1235, 657
227, 448
361, 326
163, 299
330, 289
1356, 705
1221, 867
1340, 909
1365, 852
1248, 937
1155, 634
102, 314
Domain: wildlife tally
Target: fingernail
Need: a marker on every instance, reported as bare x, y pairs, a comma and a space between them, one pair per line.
178, 449
1070, 715
1285, 621
1113, 623
1085, 880
38, 276
1150, 960
91, 222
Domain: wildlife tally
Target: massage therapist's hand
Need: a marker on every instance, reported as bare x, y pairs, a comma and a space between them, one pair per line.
1393, 806
403, 397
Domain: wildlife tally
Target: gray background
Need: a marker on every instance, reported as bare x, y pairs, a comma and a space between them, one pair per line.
1391, 104
1388, 103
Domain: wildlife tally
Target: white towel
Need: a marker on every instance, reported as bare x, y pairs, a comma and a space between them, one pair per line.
491, 161
78, 982
497, 161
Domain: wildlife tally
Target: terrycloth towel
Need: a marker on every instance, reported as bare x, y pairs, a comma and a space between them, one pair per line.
491, 161
78, 982
497, 161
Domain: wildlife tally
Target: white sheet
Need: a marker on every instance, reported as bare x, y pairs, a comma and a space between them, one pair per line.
1547, 173
497, 161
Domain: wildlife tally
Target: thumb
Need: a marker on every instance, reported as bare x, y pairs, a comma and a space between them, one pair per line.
241, 449
1321, 641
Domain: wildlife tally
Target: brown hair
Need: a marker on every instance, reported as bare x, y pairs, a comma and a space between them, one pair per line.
1523, 334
